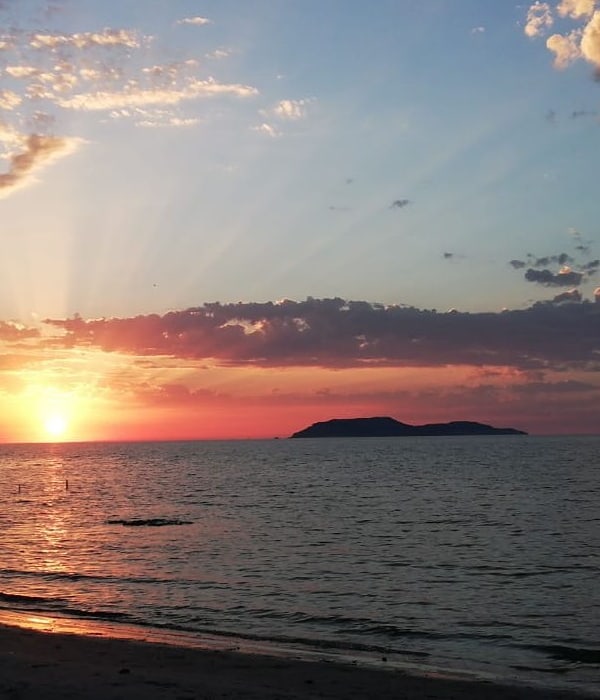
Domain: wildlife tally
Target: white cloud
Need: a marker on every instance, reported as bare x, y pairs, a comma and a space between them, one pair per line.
565, 48
9, 136
590, 41
84, 40
197, 21
21, 71
219, 53
135, 96
581, 42
162, 118
478, 30
292, 109
539, 19
576, 8
268, 130
114, 72
9, 99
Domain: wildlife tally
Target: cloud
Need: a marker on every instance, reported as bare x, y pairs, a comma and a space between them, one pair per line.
539, 18
219, 53
196, 21
568, 386
582, 42
335, 333
578, 113
86, 40
597, 295
136, 96
292, 109
591, 267
400, 203
576, 8
114, 71
590, 41
156, 122
21, 71
10, 137
37, 151
572, 271
9, 100
268, 129
565, 48
564, 278
478, 30
573, 295
561, 259
11, 332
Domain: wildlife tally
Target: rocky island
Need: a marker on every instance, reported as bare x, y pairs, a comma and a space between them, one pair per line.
389, 427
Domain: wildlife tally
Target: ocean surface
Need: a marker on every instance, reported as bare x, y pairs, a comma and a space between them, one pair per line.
477, 554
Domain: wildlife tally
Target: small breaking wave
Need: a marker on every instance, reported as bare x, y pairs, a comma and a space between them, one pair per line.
561, 652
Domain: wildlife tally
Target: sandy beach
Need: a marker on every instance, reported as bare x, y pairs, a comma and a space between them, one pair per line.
48, 664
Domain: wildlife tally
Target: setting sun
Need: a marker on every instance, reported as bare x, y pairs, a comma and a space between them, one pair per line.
56, 426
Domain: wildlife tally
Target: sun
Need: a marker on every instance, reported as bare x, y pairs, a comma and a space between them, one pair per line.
56, 426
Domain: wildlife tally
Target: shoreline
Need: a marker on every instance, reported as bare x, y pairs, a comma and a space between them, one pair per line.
55, 657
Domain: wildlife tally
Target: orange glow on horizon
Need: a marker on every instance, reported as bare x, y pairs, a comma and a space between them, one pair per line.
97, 396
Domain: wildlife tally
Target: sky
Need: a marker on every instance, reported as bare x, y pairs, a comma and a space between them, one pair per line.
231, 219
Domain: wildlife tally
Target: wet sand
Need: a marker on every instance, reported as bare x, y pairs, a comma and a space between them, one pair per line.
52, 665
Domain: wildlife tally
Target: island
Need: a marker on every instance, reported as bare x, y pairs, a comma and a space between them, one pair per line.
384, 426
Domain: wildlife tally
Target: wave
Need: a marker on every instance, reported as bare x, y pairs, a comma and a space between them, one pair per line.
14, 601
11, 574
560, 652
60, 607
74, 576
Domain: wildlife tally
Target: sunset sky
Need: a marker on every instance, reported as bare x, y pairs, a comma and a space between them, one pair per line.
230, 219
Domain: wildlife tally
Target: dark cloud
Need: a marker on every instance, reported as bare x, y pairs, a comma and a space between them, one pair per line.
577, 114
37, 150
591, 267
569, 386
400, 203
568, 278
547, 278
574, 295
561, 259
448, 256
336, 333
533, 261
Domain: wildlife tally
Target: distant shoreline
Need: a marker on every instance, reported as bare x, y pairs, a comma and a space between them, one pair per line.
384, 426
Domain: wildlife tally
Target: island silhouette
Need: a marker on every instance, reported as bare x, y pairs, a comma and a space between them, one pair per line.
384, 426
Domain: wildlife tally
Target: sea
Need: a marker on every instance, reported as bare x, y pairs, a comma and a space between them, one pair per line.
470, 555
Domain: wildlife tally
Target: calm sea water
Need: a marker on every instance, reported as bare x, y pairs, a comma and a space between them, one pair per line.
479, 554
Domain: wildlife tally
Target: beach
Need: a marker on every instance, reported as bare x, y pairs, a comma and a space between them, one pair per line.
41, 664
